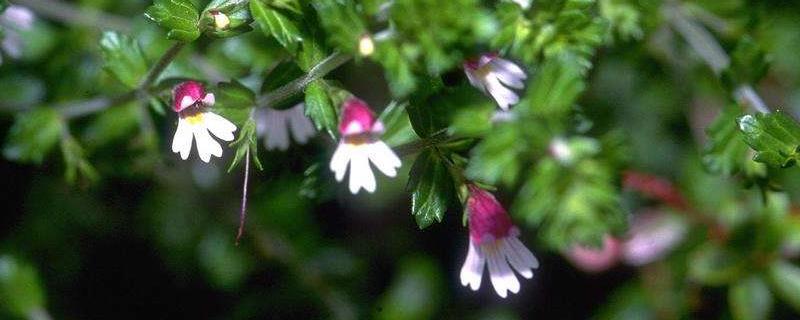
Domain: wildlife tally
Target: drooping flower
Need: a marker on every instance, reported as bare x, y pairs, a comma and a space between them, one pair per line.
652, 236
195, 121
596, 260
360, 145
493, 75
274, 125
494, 241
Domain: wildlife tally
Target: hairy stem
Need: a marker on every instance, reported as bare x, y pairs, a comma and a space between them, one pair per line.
324, 67
243, 211
707, 47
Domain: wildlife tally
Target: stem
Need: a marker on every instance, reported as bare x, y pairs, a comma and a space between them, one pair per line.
243, 212
416, 146
69, 14
704, 43
162, 64
325, 66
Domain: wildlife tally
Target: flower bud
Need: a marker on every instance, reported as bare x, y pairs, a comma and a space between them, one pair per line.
221, 20
365, 45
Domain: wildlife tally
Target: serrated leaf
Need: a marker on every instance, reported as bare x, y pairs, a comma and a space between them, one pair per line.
397, 125
275, 24
784, 279
33, 135
123, 58
246, 143
431, 189
179, 17
320, 109
750, 299
726, 152
775, 137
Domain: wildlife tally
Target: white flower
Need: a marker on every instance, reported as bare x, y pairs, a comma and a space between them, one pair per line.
195, 122
494, 241
492, 75
359, 146
275, 125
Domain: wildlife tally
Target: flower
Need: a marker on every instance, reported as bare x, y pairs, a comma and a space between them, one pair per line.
491, 74
359, 145
13, 20
274, 125
191, 102
221, 20
596, 260
652, 236
494, 241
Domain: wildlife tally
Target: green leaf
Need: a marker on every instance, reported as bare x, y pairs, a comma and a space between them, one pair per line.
123, 58
180, 17
3, 5
320, 109
21, 290
246, 142
414, 293
715, 266
225, 266
750, 299
555, 90
33, 135
234, 101
397, 125
431, 188
775, 137
113, 124
275, 24
342, 23
75, 162
497, 157
726, 152
784, 278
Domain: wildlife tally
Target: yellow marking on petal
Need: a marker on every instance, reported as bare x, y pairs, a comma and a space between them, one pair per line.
195, 119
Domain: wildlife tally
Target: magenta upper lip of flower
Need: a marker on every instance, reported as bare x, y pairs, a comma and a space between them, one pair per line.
486, 216
189, 93
476, 63
358, 120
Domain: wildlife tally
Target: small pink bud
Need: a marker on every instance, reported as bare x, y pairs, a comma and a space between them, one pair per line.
486, 215
358, 118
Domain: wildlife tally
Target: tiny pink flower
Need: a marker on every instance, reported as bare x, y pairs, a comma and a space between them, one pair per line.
494, 241
191, 102
493, 75
360, 145
275, 125
13, 21
595, 260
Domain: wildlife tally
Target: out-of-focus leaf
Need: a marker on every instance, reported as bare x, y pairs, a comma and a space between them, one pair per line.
431, 188
414, 293
33, 135
3, 5
750, 299
397, 125
275, 24
180, 17
75, 161
497, 157
556, 88
234, 101
21, 291
748, 64
340, 19
784, 278
715, 266
627, 303
775, 137
123, 58
225, 265
320, 109
113, 124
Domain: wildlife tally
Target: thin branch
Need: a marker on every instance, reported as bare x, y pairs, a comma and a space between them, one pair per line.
243, 212
73, 15
707, 47
162, 64
325, 66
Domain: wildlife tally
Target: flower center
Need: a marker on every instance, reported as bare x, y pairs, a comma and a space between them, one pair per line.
193, 114
358, 139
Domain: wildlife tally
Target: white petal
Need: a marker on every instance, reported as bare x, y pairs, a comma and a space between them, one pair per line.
509, 67
206, 145
522, 251
182, 141
509, 79
209, 99
186, 101
360, 172
472, 270
503, 279
384, 158
219, 126
301, 127
340, 159
277, 132
354, 127
474, 80
504, 96
516, 260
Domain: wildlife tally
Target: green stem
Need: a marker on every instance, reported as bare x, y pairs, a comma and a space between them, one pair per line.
162, 64
324, 67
